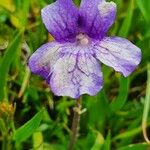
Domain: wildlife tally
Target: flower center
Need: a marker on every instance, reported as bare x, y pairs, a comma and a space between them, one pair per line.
83, 39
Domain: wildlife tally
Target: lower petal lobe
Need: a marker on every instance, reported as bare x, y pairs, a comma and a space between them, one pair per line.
61, 20
118, 53
96, 17
41, 62
69, 68
76, 73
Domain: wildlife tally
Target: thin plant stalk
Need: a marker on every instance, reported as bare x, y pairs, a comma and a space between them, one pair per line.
6, 143
75, 124
146, 107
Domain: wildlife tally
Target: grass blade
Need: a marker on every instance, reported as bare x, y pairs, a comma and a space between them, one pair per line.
142, 6
140, 146
123, 94
7, 60
99, 141
28, 128
127, 21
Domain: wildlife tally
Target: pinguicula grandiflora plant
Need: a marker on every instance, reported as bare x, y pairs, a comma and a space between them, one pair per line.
71, 64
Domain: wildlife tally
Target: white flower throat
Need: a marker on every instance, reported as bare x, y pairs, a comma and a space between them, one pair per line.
83, 39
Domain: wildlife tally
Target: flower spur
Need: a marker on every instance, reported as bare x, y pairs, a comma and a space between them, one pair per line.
71, 64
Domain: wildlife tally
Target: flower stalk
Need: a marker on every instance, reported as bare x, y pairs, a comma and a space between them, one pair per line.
75, 124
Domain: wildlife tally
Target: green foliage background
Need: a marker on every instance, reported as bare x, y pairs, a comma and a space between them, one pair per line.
113, 118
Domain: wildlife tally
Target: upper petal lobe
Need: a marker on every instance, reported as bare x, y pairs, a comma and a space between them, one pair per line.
61, 20
96, 17
118, 53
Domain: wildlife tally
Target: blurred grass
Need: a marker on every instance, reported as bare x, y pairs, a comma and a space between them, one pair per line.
113, 117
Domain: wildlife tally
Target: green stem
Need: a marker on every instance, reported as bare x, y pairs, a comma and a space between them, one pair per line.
75, 124
146, 107
4, 143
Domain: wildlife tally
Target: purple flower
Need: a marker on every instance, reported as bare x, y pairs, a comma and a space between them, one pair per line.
71, 64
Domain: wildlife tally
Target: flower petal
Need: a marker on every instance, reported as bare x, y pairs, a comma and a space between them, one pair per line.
118, 53
75, 74
61, 18
42, 60
96, 17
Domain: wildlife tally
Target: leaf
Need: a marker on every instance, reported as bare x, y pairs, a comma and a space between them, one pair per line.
140, 146
2, 126
8, 4
144, 45
127, 21
7, 60
25, 11
107, 143
135, 123
99, 141
54, 146
97, 105
142, 4
119, 3
128, 134
77, 2
20, 17
38, 141
28, 128
123, 94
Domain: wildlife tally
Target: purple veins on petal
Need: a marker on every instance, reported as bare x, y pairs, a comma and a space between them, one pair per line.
42, 60
70, 70
60, 19
96, 17
118, 53
71, 64
72, 77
